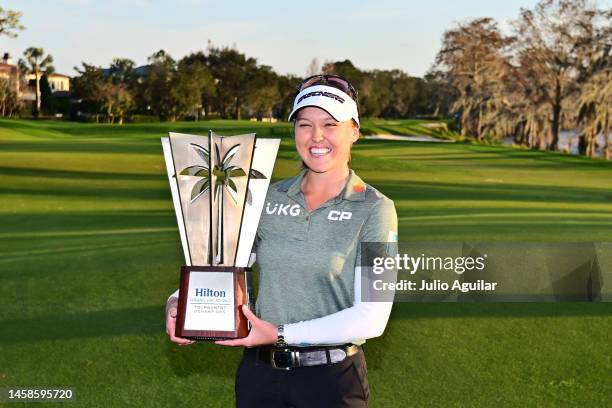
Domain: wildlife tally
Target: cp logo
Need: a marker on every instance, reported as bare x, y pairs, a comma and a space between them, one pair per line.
339, 215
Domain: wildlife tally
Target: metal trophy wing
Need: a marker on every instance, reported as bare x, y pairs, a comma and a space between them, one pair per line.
218, 187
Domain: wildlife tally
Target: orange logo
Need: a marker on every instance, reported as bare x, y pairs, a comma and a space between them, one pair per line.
358, 187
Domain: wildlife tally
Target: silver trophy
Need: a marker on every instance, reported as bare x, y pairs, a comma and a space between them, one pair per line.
218, 185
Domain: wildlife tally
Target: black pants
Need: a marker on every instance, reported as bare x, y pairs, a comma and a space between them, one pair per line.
343, 384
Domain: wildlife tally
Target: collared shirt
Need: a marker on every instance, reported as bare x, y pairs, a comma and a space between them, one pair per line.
307, 260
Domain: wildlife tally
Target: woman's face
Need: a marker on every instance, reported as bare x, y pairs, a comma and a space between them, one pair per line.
322, 142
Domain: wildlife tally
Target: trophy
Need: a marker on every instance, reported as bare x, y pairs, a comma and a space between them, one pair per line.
218, 186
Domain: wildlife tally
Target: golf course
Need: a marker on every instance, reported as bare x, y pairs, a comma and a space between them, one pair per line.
90, 251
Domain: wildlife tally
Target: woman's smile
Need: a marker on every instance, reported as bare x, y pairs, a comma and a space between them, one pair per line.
318, 152
323, 143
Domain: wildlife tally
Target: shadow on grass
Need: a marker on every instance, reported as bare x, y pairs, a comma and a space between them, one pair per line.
84, 222
13, 258
75, 174
430, 310
150, 320
161, 193
413, 190
93, 130
144, 320
203, 358
130, 144
90, 147
423, 190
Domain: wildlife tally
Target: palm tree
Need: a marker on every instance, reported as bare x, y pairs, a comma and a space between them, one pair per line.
224, 174
36, 63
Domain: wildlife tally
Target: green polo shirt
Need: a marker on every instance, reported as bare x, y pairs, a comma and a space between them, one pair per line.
307, 260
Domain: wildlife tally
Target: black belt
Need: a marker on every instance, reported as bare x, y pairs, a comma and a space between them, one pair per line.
291, 357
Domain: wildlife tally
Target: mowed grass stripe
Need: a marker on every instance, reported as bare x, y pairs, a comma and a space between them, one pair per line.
91, 251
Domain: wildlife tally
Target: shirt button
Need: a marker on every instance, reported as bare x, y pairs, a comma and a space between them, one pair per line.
307, 217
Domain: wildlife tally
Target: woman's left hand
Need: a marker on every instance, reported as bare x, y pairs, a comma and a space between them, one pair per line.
262, 332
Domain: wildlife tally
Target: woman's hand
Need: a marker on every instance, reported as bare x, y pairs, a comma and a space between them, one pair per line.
262, 332
171, 308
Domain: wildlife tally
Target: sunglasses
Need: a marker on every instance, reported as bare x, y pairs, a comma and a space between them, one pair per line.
332, 80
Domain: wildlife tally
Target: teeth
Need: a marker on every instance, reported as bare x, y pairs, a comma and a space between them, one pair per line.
319, 150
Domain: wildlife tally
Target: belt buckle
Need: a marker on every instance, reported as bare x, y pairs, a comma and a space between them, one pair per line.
284, 364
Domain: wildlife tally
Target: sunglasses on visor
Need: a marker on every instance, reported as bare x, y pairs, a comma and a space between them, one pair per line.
332, 80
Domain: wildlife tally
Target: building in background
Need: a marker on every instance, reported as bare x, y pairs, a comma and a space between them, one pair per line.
9, 71
59, 84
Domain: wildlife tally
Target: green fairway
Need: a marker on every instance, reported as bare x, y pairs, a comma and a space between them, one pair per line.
89, 252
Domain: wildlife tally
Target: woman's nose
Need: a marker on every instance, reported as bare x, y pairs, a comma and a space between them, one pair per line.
317, 134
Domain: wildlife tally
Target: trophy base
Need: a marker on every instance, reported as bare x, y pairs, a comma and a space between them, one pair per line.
210, 301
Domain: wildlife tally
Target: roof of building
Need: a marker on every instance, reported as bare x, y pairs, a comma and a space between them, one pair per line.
58, 75
7, 67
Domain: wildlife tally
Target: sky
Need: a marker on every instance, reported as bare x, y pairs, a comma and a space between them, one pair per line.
382, 34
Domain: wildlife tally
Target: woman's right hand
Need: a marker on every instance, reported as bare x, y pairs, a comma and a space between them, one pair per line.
171, 309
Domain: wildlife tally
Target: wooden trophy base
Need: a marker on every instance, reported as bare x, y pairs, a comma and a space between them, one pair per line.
210, 301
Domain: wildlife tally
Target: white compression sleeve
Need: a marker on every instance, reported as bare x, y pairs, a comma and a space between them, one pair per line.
174, 295
361, 321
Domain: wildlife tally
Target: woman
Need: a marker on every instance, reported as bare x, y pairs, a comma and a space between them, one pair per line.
304, 348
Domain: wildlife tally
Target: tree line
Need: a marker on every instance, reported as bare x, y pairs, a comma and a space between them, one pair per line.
223, 82
552, 72
218, 82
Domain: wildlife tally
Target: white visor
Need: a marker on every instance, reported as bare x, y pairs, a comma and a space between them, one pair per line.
337, 103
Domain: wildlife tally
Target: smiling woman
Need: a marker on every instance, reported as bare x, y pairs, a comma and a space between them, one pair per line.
322, 142
304, 347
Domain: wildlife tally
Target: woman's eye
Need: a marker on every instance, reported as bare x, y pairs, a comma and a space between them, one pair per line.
303, 125
330, 124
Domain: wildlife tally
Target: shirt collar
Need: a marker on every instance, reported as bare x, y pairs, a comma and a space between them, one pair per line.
354, 190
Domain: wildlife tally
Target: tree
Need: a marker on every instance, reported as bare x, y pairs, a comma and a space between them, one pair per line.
121, 71
189, 83
286, 85
48, 103
36, 62
398, 92
556, 71
595, 111
176, 90
88, 87
198, 82
158, 89
9, 23
116, 101
593, 95
10, 102
551, 38
437, 94
233, 72
314, 68
369, 103
209, 92
473, 56
263, 92
104, 92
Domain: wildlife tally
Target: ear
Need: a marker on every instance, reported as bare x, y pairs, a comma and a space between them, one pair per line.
355, 135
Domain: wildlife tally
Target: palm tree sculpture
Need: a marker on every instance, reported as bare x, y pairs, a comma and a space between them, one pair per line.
224, 174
